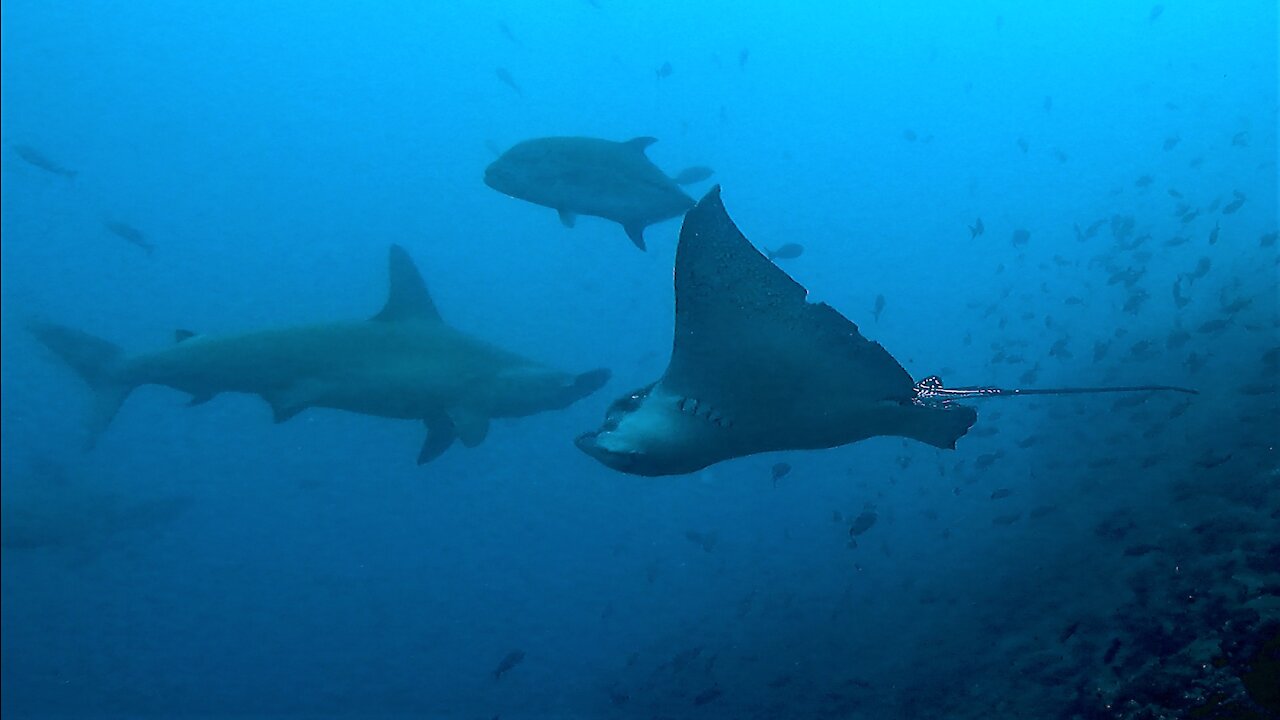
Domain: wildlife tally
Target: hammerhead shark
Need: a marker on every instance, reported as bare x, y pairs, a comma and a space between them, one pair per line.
405, 362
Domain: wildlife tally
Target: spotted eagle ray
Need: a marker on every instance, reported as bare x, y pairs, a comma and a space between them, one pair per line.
755, 368
405, 362
587, 176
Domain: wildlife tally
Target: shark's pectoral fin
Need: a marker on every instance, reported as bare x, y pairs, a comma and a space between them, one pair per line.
440, 435
283, 413
635, 231
567, 218
292, 399
471, 426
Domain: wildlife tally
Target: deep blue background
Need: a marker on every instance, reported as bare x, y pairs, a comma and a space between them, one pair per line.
272, 151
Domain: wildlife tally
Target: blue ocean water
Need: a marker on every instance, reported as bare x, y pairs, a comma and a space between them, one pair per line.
1073, 557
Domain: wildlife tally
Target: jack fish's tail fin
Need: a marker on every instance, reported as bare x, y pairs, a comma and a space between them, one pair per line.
97, 362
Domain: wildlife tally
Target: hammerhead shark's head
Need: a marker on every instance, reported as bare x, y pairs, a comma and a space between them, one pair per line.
405, 362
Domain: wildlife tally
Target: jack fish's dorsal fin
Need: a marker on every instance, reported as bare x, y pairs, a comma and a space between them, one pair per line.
407, 297
641, 143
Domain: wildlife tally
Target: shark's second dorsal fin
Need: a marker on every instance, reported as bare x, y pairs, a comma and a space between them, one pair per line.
407, 297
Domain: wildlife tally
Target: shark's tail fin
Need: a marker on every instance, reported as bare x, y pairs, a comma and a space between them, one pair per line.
97, 362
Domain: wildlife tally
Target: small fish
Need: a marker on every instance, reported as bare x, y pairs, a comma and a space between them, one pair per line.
1203, 265
863, 522
665, 71
1144, 181
1023, 145
789, 251
1240, 139
909, 135
1156, 12
1133, 304
1234, 205
879, 308
1001, 493
1141, 549
1042, 511
1268, 239
34, 157
986, 460
1171, 142
1213, 234
1070, 630
513, 658
131, 235
976, 229
707, 695
1178, 337
779, 471
1259, 388
743, 55
1178, 298
1028, 441
1048, 103
506, 32
1210, 461
1236, 305
707, 541
1006, 519
1112, 649
1214, 326
505, 77
1021, 237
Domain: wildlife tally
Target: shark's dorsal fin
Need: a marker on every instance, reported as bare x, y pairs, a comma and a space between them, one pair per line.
407, 297
641, 143
179, 335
